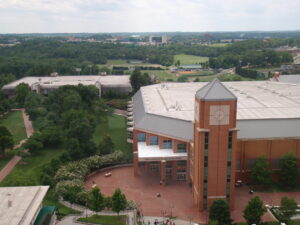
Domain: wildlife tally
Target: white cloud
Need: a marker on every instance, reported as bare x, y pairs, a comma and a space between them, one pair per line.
147, 15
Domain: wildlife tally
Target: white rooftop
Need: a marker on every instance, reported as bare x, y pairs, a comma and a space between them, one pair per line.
153, 152
72, 80
292, 78
20, 205
256, 99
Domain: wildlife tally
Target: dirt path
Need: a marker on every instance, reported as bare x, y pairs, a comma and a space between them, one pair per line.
9, 166
27, 124
120, 112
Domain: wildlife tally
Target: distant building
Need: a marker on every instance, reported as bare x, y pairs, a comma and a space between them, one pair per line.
158, 39
187, 68
44, 85
23, 206
292, 50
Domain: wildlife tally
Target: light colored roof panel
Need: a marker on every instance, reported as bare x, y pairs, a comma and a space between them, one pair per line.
24, 204
153, 152
169, 108
54, 82
215, 90
176, 100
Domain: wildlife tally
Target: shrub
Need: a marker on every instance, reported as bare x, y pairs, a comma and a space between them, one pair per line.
70, 177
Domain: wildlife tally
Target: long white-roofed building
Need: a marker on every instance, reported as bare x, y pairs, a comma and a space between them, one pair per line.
210, 134
117, 83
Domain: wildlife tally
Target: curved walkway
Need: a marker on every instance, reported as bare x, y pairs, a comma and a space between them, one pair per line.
14, 161
72, 219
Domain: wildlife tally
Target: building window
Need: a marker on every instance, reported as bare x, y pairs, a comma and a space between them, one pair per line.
230, 140
181, 174
181, 163
167, 144
154, 166
141, 137
129, 134
229, 159
181, 148
153, 140
206, 141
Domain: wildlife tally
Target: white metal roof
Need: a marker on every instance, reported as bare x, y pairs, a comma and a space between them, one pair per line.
20, 205
256, 99
110, 80
292, 78
153, 152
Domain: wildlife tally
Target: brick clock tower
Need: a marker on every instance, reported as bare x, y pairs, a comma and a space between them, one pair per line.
212, 157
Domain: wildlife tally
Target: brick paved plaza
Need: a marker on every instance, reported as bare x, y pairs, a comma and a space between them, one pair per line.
176, 196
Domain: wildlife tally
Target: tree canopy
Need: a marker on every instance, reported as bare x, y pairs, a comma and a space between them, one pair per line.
119, 201
220, 211
261, 172
254, 211
288, 170
6, 139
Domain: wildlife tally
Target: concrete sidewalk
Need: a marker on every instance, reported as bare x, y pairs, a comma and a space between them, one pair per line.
71, 220
152, 219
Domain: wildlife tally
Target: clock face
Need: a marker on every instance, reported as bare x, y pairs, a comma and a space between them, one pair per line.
219, 115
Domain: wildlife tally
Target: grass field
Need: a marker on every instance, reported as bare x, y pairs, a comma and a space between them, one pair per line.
219, 44
15, 124
123, 62
28, 172
105, 220
189, 59
115, 126
7, 158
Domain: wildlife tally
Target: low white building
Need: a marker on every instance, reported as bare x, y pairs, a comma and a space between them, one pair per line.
44, 85
23, 206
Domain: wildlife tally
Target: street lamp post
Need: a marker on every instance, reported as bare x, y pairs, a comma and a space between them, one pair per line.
163, 212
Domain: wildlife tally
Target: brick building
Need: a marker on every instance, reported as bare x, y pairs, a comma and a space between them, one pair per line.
209, 134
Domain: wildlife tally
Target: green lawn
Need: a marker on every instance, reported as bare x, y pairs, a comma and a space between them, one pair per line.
105, 220
14, 122
51, 199
219, 44
9, 155
122, 62
115, 126
189, 59
28, 172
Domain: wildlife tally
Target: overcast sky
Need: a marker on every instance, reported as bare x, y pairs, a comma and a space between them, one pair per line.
47, 16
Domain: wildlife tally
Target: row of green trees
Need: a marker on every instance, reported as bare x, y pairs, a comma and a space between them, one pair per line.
43, 56
261, 173
219, 213
98, 202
